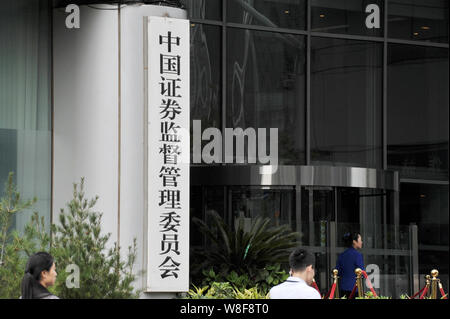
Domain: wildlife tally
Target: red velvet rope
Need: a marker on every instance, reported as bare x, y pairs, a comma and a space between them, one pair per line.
417, 293
443, 293
369, 283
333, 289
424, 292
353, 292
327, 295
315, 286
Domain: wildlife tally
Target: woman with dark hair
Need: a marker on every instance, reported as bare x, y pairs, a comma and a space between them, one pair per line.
39, 275
348, 261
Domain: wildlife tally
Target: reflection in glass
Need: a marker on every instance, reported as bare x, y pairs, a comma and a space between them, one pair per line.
25, 103
424, 20
418, 111
203, 200
318, 209
363, 207
394, 274
345, 17
270, 13
203, 9
205, 77
348, 208
275, 203
346, 102
195, 210
266, 87
426, 205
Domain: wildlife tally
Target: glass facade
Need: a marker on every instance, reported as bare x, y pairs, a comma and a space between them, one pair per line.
268, 95
347, 17
418, 86
427, 206
270, 13
25, 102
346, 102
205, 77
203, 9
275, 203
206, 74
347, 89
419, 20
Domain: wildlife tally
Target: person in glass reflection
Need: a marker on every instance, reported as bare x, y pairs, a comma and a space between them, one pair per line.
39, 275
348, 261
297, 286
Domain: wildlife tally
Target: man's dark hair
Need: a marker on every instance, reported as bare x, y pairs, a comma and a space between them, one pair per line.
300, 259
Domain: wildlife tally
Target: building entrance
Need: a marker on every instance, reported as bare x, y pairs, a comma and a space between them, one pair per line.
322, 215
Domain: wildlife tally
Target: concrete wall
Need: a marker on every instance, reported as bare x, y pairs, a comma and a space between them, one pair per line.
99, 119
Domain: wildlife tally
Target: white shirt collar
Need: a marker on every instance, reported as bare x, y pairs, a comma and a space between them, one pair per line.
295, 279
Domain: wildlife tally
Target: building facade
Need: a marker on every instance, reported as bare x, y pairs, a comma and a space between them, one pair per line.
342, 96
360, 105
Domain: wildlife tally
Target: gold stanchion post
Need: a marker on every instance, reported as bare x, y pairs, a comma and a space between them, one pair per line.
427, 283
358, 273
434, 283
335, 280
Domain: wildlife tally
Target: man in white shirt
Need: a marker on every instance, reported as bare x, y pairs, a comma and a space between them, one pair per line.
297, 286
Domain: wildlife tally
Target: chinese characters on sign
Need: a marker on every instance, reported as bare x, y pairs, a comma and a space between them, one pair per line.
168, 154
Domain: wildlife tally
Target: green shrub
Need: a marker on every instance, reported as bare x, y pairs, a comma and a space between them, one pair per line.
370, 295
77, 239
264, 279
405, 296
14, 247
224, 290
252, 293
255, 254
270, 276
197, 293
217, 290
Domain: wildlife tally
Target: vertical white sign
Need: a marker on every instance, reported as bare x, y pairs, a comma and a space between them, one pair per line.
168, 155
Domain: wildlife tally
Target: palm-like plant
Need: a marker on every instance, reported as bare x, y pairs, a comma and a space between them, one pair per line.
246, 251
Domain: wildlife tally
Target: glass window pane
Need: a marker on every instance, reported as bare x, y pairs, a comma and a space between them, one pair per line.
206, 97
196, 238
276, 203
25, 102
204, 201
426, 205
346, 17
418, 111
317, 210
203, 9
424, 20
346, 102
266, 88
394, 274
269, 13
